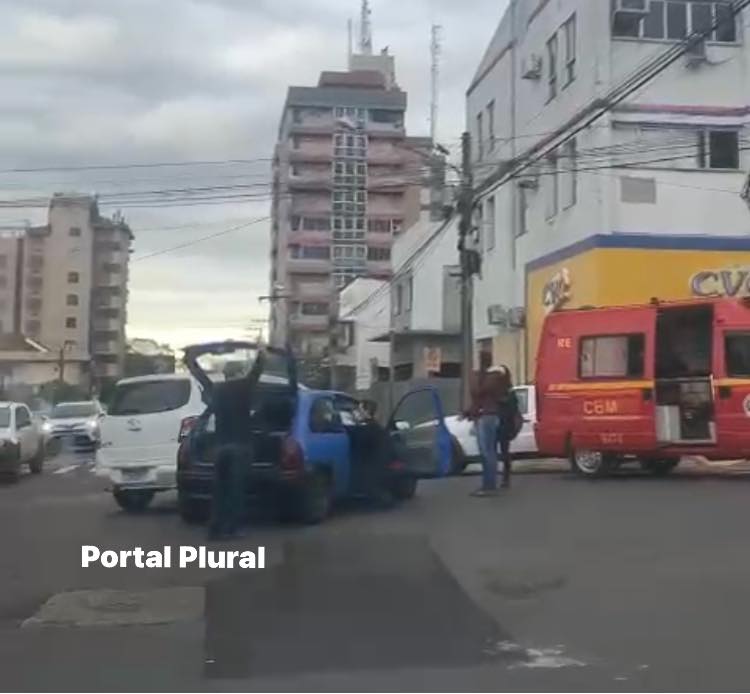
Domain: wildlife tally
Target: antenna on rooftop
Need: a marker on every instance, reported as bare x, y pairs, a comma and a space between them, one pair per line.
365, 30
435, 51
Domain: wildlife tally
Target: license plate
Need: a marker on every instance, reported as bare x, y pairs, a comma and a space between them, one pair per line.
135, 474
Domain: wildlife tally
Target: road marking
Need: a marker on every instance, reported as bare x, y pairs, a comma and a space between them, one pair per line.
65, 470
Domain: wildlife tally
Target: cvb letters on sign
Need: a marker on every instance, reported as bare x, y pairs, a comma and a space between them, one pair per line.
185, 556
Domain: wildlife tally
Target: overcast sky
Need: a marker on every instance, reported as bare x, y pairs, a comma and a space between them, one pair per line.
109, 82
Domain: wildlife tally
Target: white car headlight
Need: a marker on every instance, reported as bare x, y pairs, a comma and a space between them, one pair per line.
92, 425
47, 427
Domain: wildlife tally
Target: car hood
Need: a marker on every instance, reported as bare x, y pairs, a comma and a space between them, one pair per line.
70, 421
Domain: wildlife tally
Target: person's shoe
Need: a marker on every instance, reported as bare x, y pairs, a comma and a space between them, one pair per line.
484, 492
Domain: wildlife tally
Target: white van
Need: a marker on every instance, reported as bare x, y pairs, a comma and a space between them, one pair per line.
140, 435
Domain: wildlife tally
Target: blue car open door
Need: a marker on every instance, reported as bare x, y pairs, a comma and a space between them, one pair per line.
420, 438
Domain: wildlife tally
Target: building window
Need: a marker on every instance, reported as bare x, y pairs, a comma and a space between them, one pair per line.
295, 142
310, 252
36, 263
73, 278
718, 149
552, 68
489, 224
74, 231
409, 293
296, 115
397, 225
480, 137
379, 226
551, 186
378, 254
314, 309
569, 175
72, 300
316, 224
612, 356
674, 20
569, 32
32, 327
491, 125
398, 306
34, 305
71, 322
3, 261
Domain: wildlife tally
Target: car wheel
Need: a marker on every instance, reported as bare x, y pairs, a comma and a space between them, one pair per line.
404, 488
193, 511
661, 466
591, 463
458, 458
133, 500
36, 464
316, 498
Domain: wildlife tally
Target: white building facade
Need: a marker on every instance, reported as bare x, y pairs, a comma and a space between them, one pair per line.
653, 183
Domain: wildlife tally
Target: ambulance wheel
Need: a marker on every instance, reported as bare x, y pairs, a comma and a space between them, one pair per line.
660, 467
591, 463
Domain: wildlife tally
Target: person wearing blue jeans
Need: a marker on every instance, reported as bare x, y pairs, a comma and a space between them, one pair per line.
488, 389
487, 436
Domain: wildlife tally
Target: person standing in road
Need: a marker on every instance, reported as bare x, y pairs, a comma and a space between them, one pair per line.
511, 421
487, 391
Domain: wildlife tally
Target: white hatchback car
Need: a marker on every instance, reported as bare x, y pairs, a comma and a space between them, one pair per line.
140, 435
465, 439
21, 441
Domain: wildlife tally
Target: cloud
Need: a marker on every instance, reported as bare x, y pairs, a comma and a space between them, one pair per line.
123, 81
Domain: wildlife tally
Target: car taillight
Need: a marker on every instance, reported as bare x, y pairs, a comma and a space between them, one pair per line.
186, 426
183, 455
292, 461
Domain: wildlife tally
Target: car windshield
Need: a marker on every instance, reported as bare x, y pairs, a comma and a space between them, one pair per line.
70, 410
150, 397
4, 417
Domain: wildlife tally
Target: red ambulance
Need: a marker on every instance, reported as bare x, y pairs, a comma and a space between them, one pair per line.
651, 383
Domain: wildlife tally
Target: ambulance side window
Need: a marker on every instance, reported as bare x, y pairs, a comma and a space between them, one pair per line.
612, 356
737, 350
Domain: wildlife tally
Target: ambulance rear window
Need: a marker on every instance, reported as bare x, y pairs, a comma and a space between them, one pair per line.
612, 356
738, 354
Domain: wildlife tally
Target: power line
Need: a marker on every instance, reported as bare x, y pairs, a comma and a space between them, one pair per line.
199, 240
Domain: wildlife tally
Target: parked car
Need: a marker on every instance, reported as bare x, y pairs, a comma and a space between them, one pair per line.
76, 423
21, 441
140, 434
303, 445
464, 438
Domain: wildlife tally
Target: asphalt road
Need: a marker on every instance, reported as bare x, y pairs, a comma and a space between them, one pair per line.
630, 583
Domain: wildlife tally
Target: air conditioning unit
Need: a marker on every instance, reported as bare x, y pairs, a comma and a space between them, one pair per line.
532, 67
695, 54
632, 9
497, 315
517, 317
627, 15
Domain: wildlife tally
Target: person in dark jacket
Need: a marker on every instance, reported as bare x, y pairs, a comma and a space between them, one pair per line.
231, 403
487, 389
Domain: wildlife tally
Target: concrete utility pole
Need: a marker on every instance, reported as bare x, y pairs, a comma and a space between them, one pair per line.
435, 49
466, 210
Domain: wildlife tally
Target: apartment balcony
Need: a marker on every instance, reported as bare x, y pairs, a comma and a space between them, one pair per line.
109, 279
326, 127
107, 324
378, 267
386, 157
106, 347
313, 156
308, 265
311, 181
303, 322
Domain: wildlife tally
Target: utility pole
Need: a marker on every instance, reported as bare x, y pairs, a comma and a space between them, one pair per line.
466, 210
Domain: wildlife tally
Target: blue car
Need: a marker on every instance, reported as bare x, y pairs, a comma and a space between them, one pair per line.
306, 442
